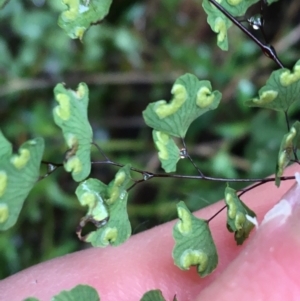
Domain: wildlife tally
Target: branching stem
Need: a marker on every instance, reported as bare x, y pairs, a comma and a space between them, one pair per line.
147, 175
151, 175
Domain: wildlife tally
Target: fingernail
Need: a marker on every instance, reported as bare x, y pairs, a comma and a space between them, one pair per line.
289, 204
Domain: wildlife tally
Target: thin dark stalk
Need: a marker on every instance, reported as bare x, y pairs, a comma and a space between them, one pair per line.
134, 184
268, 50
151, 175
217, 213
191, 160
287, 120
250, 188
101, 151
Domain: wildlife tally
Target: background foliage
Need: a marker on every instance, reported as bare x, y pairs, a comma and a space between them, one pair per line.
129, 60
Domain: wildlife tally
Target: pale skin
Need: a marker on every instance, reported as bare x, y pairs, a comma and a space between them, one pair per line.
265, 268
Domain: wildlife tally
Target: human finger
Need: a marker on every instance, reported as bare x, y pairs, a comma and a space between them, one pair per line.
143, 263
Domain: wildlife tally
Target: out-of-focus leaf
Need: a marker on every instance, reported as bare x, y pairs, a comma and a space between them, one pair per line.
81, 14
233, 130
222, 164
219, 23
3, 3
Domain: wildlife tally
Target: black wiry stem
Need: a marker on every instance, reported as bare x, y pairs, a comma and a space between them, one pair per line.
191, 160
217, 213
268, 50
147, 175
287, 120
250, 188
101, 151
151, 175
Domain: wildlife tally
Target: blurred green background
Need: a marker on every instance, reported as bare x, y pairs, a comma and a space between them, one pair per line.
129, 60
